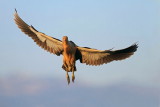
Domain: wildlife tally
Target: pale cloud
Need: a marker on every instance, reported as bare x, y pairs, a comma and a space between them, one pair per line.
21, 84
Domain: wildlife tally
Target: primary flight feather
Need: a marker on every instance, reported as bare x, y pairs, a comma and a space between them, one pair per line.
70, 51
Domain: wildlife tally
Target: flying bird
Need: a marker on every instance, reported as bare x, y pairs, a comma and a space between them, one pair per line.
70, 51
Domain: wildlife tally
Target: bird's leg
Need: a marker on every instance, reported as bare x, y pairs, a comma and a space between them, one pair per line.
65, 66
67, 76
73, 77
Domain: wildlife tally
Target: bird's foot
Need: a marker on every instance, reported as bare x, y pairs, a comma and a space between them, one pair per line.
68, 79
73, 77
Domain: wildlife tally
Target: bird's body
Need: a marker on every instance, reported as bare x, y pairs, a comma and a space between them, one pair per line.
71, 52
69, 58
68, 55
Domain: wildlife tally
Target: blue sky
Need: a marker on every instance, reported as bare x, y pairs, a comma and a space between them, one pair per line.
102, 24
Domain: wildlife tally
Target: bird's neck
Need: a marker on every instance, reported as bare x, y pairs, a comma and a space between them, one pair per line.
65, 43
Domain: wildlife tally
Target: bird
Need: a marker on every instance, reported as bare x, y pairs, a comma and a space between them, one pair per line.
72, 52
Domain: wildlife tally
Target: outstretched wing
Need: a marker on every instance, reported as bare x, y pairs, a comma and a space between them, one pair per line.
48, 43
98, 57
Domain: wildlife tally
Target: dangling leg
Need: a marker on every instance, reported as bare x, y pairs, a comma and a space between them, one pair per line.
73, 69
67, 76
65, 66
73, 77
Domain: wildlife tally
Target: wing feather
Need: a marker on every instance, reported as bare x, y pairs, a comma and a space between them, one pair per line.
48, 43
99, 57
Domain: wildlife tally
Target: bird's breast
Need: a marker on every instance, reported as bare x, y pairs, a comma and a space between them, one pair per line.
69, 49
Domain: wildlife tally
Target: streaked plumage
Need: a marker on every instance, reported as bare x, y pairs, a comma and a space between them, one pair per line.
70, 51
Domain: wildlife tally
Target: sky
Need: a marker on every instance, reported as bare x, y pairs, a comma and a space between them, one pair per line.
101, 24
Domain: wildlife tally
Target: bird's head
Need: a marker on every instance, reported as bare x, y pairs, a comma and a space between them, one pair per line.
65, 39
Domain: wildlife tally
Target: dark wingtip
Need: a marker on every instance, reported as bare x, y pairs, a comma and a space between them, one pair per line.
15, 10
135, 46
136, 43
130, 49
